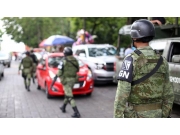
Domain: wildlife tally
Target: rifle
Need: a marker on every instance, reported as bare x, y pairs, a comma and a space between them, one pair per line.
54, 80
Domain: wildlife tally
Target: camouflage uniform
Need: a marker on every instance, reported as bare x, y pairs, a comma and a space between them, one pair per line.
152, 98
27, 64
68, 78
35, 62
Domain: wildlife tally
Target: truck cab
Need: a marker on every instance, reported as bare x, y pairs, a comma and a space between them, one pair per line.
170, 48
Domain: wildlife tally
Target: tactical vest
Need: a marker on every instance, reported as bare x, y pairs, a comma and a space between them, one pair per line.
27, 62
151, 89
69, 70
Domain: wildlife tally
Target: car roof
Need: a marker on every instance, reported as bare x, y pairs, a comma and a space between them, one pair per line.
55, 54
93, 45
166, 39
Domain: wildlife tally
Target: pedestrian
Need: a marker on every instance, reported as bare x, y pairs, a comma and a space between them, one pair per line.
128, 50
144, 89
67, 71
27, 64
35, 63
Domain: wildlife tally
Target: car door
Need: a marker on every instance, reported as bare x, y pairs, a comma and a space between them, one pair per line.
41, 72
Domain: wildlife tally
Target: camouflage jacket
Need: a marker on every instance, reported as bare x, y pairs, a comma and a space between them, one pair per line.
66, 70
26, 62
154, 91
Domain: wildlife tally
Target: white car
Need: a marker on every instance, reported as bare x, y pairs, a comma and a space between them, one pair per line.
100, 59
1, 69
6, 58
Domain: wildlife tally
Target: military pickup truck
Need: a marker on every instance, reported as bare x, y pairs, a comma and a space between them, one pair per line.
170, 49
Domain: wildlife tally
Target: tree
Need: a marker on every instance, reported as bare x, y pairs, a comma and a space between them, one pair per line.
32, 30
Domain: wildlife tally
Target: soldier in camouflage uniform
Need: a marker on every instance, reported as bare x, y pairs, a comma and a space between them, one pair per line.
27, 64
35, 62
139, 95
68, 68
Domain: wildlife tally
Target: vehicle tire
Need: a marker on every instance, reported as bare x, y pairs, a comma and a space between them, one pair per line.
47, 93
9, 65
0, 77
89, 94
38, 87
2, 74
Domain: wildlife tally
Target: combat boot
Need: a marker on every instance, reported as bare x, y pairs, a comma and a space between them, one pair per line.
25, 85
28, 88
76, 113
63, 108
33, 80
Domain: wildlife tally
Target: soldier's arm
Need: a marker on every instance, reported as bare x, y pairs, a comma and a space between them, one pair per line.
124, 87
60, 68
168, 96
122, 95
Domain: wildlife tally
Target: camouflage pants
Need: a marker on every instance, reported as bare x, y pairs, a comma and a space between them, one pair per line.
26, 74
34, 70
68, 93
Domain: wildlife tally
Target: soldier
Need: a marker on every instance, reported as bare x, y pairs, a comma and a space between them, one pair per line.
27, 70
68, 68
35, 62
144, 89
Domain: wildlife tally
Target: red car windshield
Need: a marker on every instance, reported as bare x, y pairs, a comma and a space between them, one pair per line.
53, 62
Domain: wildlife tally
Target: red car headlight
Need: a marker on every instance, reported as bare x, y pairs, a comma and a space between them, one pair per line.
52, 75
89, 76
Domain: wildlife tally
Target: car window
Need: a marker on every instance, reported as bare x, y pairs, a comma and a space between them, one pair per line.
81, 52
104, 51
54, 61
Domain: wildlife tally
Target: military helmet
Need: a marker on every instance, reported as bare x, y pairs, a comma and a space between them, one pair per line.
27, 53
67, 51
142, 28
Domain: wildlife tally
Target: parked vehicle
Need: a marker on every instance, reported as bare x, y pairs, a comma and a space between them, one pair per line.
170, 49
47, 69
1, 69
100, 59
6, 58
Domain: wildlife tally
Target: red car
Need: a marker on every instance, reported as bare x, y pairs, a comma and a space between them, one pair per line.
47, 69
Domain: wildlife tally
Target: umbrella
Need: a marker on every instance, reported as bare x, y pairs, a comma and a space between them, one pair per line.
42, 43
58, 40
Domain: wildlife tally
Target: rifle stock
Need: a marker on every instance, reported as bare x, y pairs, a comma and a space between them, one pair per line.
54, 80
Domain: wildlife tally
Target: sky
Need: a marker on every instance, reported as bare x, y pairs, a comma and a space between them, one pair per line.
10, 45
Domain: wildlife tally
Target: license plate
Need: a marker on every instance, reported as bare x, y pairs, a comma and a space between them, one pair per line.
77, 85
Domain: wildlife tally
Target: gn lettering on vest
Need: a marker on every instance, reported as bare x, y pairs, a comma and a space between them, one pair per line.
123, 74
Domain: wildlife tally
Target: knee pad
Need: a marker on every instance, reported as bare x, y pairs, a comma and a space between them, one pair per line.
69, 98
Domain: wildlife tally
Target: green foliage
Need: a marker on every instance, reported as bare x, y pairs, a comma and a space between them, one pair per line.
106, 28
32, 30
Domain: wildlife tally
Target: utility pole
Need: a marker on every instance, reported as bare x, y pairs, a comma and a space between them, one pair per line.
84, 23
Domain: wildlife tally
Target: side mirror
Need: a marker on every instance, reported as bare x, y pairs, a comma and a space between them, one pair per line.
82, 55
176, 58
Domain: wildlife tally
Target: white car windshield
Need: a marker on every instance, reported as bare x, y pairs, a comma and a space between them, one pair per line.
104, 51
